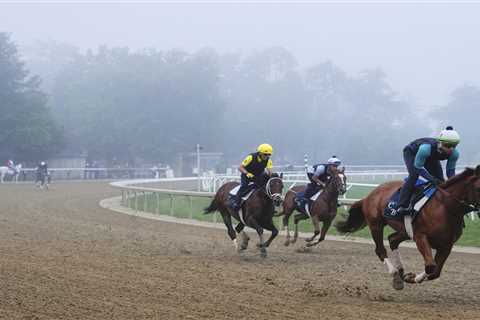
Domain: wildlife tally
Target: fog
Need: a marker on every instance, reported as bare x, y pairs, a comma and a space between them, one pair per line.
407, 70
425, 49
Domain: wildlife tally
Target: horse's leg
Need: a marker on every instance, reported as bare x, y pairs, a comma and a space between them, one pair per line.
287, 211
316, 232
252, 222
271, 227
227, 219
325, 227
244, 237
395, 239
426, 250
440, 257
377, 235
296, 219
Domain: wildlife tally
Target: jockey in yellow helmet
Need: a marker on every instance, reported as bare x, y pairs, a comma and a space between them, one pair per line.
252, 167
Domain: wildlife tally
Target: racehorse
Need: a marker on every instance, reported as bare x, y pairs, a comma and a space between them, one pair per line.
439, 224
14, 173
257, 211
322, 209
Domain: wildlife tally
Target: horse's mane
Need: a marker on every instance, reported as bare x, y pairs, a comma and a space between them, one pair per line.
459, 177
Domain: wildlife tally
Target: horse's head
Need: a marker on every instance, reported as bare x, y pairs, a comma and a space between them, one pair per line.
274, 188
338, 180
473, 193
467, 187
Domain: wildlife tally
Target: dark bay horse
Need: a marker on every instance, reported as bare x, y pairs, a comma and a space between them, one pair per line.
439, 224
257, 211
323, 209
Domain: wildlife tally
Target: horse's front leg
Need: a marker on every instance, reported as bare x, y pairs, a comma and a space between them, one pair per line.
323, 233
430, 266
252, 222
440, 257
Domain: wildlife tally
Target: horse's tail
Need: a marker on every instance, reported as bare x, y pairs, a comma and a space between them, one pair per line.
212, 207
355, 220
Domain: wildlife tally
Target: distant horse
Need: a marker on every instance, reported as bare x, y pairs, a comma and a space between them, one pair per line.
322, 209
257, 211
439, 224
14, 173
42, 180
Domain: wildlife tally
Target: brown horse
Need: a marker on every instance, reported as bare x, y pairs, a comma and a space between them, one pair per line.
323, 209
439, 224
257, 212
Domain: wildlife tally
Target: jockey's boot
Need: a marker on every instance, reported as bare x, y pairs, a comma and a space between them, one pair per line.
237, 203
298, 202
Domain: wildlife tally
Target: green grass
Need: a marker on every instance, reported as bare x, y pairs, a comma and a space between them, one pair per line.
192, 207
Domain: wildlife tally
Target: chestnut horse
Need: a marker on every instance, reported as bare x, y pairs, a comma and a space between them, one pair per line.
257, 211
439, 224
323, 209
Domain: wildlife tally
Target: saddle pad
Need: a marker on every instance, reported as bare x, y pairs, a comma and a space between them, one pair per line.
315, 196
422, 194
234, 192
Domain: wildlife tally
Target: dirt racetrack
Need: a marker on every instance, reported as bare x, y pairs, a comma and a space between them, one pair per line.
63, 257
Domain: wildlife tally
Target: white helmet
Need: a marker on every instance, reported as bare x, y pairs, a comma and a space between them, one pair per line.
42, 163
334, 160
449, 136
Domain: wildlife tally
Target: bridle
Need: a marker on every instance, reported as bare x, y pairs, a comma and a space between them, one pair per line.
475, 206
268, 190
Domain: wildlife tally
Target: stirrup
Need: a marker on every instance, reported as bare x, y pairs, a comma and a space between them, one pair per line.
407, 220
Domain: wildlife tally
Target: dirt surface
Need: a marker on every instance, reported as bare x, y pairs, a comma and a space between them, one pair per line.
63, 257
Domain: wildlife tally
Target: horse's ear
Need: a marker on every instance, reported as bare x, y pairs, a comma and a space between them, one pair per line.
281, 175
477, 171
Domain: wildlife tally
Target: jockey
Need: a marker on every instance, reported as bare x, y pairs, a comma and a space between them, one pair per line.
42, 168
253, 167
318, 176
422, 158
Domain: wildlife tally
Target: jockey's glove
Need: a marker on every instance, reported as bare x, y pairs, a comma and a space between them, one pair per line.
250, 175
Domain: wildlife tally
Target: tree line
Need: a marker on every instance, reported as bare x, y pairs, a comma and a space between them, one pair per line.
123, 104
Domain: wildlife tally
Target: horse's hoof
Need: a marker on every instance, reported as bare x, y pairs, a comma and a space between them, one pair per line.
409, 277
293, 241
397, 281
310, 244
308, 240
263, 252
286, 243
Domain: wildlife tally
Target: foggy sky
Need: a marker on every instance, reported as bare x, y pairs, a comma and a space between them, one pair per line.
426, 49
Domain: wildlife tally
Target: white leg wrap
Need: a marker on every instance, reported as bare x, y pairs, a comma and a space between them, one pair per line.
390, 267
420, 277
396, 260
261, 240
235, 243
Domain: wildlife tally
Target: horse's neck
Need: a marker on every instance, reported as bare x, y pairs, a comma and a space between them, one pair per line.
331, 191
458, 189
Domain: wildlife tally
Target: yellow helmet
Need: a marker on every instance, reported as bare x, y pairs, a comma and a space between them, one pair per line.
265, 148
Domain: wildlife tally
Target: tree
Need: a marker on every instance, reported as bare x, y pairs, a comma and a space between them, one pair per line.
27, 130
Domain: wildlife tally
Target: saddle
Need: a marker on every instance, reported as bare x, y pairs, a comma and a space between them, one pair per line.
232, 195
422, 193
304, 206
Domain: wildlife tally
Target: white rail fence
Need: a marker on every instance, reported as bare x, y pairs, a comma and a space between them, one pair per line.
162, 196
